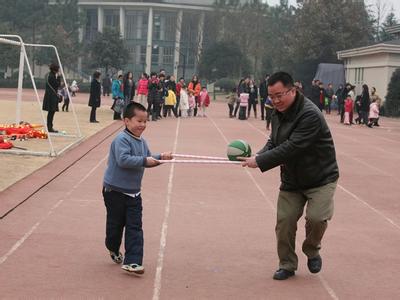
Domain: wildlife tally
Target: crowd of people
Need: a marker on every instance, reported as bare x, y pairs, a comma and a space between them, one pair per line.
163, 97
159, 93
367, 105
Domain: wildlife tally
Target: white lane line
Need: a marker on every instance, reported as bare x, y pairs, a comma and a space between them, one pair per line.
324, 283
369, 166
164, 228
34, 227
264, 133
369, 206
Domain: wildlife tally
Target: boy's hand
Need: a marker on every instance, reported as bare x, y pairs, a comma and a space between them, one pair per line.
152, 162
166, 156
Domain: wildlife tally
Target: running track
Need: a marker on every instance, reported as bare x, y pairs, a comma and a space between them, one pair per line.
209, 230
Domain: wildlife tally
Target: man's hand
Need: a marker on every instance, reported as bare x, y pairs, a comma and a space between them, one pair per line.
166, 156
152, 162
248, 162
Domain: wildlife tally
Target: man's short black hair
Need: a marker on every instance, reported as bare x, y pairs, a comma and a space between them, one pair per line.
283, 77
131, 108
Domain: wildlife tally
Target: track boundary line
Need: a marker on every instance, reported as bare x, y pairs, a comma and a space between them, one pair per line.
324, 283
164, 227
57, 175
21, 241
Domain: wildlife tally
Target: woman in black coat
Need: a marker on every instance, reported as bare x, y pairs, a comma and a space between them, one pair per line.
51, 97
95, 96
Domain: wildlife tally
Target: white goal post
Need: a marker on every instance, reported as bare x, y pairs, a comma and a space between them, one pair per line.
16, 40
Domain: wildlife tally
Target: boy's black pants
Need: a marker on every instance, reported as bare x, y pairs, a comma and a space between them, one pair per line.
124, 211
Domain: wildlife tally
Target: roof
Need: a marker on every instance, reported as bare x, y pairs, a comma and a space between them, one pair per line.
393, 29
383, 47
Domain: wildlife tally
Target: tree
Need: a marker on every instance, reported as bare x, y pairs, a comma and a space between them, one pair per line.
334, 26
39, 21
389, 21
277, 31
107, 50
62, 31
223, 59
392, 103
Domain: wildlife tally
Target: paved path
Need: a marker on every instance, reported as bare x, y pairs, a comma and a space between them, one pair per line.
209, 230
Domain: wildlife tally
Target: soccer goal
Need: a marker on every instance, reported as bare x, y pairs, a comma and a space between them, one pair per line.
17, 41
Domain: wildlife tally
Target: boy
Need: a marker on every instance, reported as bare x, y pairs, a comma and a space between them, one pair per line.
129, 155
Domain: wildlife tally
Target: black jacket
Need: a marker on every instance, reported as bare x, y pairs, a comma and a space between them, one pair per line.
51, 99
301, 143
95, 94
263, 90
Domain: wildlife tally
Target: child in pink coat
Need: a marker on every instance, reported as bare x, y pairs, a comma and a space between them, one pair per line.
373, 114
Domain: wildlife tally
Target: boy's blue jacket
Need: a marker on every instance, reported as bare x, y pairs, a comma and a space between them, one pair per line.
126, 163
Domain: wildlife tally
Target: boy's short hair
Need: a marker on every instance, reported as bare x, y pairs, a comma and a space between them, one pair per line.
120, 76
131, 108
283, 77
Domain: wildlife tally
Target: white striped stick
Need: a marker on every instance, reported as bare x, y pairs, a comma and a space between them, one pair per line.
199, 157
200, 161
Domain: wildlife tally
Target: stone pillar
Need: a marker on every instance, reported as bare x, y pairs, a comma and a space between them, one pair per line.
149, 41
80, 38
100, 19
80, 30
122, 21
200, 40
178, 43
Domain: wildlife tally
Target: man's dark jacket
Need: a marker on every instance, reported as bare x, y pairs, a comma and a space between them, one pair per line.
301, 143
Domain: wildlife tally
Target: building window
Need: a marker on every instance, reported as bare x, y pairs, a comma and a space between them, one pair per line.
155, 55
91, 24
142, 54
359, 76
170, 27
136, 25
157, 27
168, 55
131, 51
111, 18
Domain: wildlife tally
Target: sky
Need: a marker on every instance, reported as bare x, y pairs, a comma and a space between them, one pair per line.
388, 3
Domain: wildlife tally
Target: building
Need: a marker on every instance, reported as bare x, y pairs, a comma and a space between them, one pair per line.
164, 34
373, 65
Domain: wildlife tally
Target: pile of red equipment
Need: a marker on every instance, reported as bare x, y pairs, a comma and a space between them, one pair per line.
21, 131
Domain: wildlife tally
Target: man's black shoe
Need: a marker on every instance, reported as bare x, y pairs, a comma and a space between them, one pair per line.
314, 264
283, 274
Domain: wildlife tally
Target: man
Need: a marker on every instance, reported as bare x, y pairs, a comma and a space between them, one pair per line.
315, 92
106, 85
263, 95
301, 144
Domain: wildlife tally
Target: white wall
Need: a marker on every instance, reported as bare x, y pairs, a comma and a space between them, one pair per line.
378, 69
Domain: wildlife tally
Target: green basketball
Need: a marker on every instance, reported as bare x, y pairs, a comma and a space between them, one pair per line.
238, 148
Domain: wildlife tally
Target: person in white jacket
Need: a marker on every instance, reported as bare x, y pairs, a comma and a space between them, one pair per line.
184, 102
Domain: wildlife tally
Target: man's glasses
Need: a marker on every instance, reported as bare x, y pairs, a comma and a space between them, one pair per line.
280, 95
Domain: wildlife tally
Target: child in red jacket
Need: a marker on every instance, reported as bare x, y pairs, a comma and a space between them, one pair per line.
348, 110
204, 102
143, 89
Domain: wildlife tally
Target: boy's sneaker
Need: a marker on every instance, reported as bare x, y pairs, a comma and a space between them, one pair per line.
133, 268
117, 258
